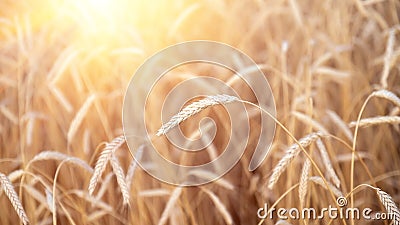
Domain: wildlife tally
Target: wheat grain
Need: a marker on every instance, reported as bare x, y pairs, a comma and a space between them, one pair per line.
308, 120
340, 123
29, 131
8, 114
290, 154
387, 58
14, 175
13, 197
80, 115
388, 95
318, 180
208, 175
193, 109
103, 160
220, 206
119, 173
60, 98
304, 181
338, 76
104, 185
170, 205
96, 215
35, 194
154, 192
51, 155
94, 201
390, 206
327, 163
376, 121
86, 142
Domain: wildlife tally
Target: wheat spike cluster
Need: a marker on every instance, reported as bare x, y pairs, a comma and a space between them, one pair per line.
101, 163
290, 154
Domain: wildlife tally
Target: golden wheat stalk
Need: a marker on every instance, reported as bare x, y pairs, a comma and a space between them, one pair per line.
390, 206
327, 162
101, 163
376, 121
13, 197
290, 154
304, 182
193, 109
119, 173
220, 206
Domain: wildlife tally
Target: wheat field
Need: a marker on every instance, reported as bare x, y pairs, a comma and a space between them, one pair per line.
333, 66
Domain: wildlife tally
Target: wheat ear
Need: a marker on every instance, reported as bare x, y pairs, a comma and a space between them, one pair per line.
340, 124
119, 173
376, 121
388, 57
80, 115
318, 180
291, 153
387, 95
304, 182
327, 162
390, 206
195, 108
220, 207
170, 205
13, 197
102, 161
52, 155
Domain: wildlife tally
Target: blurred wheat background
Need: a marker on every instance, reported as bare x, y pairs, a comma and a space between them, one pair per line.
65, 66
